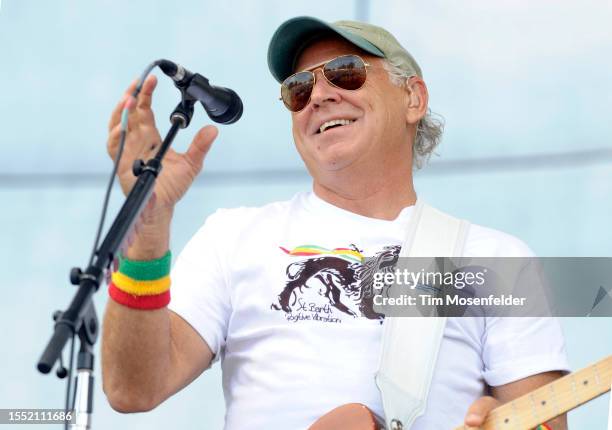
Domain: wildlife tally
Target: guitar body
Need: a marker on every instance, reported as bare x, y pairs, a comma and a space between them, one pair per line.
352, 416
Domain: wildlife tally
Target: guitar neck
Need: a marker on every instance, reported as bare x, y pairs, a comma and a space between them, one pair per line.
551, 400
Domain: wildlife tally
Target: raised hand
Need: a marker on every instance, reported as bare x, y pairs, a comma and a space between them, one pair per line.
143, 141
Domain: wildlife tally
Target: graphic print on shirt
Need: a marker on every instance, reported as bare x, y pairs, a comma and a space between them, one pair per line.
330, 284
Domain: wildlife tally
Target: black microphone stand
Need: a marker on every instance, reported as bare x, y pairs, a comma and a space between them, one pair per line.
80, 317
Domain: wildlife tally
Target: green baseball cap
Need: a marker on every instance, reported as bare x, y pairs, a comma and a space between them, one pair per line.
294, 35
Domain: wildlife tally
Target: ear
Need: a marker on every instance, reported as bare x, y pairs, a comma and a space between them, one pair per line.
417, 99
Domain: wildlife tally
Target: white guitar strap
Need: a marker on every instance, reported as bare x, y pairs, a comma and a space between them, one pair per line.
410, 345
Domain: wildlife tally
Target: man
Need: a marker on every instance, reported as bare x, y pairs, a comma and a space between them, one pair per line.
273, 291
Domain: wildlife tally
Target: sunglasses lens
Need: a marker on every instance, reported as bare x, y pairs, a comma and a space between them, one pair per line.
296, 90
347, 72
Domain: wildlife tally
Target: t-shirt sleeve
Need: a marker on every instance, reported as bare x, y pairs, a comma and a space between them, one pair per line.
199, 290
515, 348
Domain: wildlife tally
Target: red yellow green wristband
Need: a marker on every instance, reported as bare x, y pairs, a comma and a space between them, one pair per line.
543, 427
142, 284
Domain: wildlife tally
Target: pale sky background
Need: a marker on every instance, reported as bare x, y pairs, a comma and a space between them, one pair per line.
511, 78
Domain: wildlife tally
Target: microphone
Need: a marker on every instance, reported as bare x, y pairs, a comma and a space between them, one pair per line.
221, 104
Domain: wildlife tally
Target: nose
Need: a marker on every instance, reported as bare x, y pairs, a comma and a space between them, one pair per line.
323, 92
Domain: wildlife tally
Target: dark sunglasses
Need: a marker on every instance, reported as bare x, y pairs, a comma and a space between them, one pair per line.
347, 72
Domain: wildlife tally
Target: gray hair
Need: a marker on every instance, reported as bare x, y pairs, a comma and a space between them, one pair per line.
430, 127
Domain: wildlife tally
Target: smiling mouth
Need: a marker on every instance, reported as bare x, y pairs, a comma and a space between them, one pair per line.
334, 124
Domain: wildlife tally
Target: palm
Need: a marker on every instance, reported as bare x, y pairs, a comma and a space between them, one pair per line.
176, 176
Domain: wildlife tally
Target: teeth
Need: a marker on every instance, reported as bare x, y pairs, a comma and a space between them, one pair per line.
328, 124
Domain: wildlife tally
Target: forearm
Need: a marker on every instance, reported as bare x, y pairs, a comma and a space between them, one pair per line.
136, 344
136, 348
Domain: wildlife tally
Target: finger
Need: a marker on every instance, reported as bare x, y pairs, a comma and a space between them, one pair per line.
116, 114
200, 146
112, 147
146, 93
478, 411
114, 136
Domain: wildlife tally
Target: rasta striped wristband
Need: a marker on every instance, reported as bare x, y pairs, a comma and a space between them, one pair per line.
142, 284
543, 427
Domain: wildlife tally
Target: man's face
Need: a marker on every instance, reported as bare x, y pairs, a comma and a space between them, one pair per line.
378, 132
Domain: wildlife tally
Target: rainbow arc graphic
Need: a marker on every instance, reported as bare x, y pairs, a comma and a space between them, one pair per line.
348, 254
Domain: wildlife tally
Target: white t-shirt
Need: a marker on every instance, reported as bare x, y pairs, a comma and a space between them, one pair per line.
272, 291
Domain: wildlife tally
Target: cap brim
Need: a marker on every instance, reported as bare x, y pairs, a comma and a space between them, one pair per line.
293, 35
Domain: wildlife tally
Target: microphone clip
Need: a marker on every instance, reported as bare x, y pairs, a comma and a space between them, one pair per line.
183, 112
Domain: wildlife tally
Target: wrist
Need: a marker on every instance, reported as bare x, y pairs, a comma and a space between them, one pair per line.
142, 284
154, 215
152, 236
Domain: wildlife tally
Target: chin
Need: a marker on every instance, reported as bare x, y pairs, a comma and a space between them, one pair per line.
333, 166
331, 156
334, 162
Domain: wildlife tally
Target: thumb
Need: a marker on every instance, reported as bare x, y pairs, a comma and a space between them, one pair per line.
200, 145
478, 411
